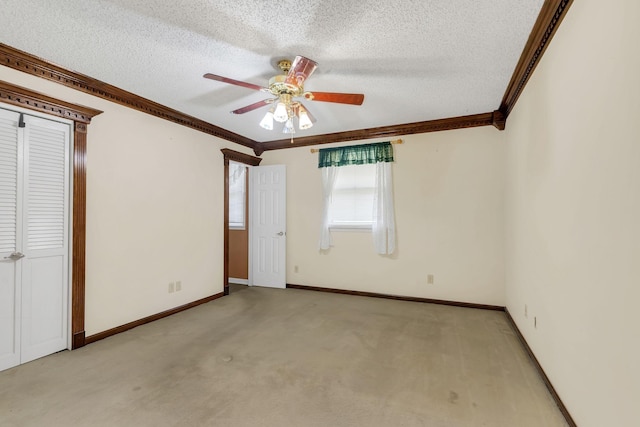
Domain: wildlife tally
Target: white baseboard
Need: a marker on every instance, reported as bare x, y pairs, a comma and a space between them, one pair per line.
238, 281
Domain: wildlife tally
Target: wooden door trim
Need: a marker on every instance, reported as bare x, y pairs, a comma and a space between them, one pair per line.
247, 160
81, 116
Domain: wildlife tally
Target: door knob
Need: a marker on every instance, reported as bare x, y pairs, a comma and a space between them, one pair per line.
280, 233
15, 256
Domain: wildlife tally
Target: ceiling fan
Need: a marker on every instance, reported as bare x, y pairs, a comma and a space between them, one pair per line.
286, 88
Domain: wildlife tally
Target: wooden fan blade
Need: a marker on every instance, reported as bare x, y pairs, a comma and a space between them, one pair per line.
253, 106
300, 70
234, 82
340, 98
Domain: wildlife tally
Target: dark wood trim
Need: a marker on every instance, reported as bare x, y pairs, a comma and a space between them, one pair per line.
79, 233
81, 115
237, 156
499, 120
549, 19
225, 268
398, 297
475, 120
22, 61
26, 98
247, 160
118, 329
78, 340
563, 409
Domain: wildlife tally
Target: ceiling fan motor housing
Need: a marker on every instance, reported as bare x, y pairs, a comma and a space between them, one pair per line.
284, 65
278, 86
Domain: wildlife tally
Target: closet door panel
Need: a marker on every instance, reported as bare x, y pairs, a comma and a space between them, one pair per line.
10, 172
45, 267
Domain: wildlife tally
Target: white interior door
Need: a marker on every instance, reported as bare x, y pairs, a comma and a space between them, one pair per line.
34, 224
268, 230
45, 238
10, 170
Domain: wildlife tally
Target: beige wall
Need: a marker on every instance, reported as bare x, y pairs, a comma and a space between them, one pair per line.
154, 210
573, 212
448, 189
566, 168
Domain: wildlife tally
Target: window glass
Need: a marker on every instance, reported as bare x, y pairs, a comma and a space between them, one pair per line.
237, 195
352, 197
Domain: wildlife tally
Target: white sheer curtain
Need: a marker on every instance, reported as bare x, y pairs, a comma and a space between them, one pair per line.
384, 224
328, 182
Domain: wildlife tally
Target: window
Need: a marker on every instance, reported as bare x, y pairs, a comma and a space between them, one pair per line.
361, 196
237, 195
352, 197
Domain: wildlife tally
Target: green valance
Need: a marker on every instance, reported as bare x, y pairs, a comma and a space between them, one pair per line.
356, 155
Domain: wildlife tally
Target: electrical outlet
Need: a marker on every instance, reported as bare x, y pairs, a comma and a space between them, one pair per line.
295, 269
178, 286
172, 287
430, 279
526, 314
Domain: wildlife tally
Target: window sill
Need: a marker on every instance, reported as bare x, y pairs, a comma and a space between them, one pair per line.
351, 227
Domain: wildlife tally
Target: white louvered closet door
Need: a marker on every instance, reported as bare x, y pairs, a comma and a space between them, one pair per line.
34, 224
10, 170
45, 238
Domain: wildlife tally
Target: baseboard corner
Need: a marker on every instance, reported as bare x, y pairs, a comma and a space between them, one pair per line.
78, 340
547, 382
122, 328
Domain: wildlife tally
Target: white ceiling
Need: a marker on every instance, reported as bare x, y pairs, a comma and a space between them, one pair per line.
415, 60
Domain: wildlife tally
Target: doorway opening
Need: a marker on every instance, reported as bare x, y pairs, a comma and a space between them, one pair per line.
238, 223
236, 232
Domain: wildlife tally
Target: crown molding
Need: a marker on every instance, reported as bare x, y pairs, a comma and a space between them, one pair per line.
27, 63
549, 19
462, 122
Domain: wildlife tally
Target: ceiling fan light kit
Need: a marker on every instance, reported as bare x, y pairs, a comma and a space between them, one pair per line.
285, 88
288, 127
267, 121
284, 108
304, 121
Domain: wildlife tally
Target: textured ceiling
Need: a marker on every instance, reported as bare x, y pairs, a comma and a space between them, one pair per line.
414, 60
